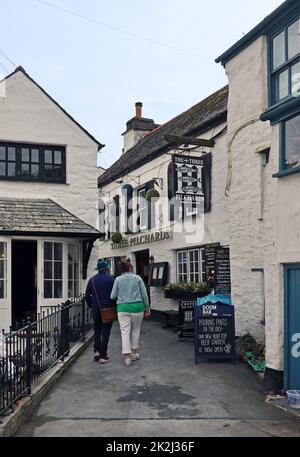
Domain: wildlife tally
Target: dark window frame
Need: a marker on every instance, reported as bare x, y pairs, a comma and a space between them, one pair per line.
283, 170
42, 177
287, 65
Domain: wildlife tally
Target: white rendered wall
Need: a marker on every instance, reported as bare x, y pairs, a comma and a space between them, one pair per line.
274, 239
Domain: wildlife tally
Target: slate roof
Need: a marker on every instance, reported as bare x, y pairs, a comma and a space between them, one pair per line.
41, 216
196, 120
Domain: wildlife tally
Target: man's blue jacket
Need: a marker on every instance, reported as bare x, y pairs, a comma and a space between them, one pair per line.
104, 284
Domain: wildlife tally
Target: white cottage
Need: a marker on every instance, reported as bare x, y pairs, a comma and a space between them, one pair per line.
48, 201
263, 185
197, 139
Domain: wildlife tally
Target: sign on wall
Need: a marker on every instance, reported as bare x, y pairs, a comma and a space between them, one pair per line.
222, 271
192, 179
186, 320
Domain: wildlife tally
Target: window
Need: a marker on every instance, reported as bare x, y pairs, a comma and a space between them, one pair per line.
73, 270
111, 265
3, 270
53, 270
32, 163
290, 147
190, 265
285, 63
142, 210
111, 218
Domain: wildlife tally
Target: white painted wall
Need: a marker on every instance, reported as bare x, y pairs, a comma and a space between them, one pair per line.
216, 222
274, 240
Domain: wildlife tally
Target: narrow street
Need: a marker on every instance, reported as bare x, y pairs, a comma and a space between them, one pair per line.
163, 394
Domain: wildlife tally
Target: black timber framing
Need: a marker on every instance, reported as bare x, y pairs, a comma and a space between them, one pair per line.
87, 246
174, 139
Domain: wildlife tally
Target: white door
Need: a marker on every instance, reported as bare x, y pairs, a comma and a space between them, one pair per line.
5, 283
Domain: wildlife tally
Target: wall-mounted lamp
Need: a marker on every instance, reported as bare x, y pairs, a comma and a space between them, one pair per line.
151, 260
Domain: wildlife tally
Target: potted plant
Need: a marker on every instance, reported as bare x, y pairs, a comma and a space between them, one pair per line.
152, 193
116, 237
186, 291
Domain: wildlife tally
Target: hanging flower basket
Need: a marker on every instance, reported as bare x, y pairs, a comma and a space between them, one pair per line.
152, 193
116, 237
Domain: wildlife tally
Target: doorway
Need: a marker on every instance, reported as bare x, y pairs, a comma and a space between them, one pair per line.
24, 280
142, 264
292, 327
143, 268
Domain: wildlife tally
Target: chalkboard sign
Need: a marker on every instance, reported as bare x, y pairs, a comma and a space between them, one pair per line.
222, 273
210, 251
186, 319
214, 332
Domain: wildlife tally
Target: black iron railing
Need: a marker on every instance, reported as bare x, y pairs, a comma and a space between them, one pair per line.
31, 349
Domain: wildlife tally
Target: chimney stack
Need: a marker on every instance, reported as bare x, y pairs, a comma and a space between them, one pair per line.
138, 110
137, 128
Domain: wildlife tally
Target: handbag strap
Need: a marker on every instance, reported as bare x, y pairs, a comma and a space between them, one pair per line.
96, 293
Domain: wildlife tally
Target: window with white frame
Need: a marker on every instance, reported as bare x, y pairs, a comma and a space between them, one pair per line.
53, 270
142, 210
3, 270
190, 265
111, 265
73, 270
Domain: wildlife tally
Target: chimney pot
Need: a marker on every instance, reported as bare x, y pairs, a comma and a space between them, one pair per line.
138, 110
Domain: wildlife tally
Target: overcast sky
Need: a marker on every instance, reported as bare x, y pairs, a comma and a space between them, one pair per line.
97, 73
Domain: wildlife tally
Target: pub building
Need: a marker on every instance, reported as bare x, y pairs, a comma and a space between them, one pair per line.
179, 161
48, 213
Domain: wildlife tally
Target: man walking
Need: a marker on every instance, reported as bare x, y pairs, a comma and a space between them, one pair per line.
98, 296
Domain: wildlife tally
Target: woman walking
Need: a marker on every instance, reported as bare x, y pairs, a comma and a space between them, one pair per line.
132, 305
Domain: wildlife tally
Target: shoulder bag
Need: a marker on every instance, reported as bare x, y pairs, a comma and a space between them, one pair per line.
108, 315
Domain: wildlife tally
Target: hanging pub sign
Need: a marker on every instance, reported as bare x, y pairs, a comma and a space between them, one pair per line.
192, 179
222, 271
215, 329
186, 321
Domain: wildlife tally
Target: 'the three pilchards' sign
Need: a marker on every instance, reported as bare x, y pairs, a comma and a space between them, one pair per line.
192, 179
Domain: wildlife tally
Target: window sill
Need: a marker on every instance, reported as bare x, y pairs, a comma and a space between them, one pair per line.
281, 110
33, 181
290, 171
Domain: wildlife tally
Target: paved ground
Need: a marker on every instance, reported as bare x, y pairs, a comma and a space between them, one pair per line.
163, 394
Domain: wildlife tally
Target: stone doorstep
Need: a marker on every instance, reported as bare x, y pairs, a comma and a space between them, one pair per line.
282, 403
9, 425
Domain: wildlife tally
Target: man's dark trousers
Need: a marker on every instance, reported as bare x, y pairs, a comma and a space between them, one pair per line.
101, 333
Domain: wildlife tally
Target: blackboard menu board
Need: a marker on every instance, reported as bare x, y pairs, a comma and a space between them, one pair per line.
186, 319
210, 251
222, 273
214, 332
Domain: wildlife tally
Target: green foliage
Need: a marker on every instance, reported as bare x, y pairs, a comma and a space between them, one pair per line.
252, 352
183, 288
116, 237
152, 193
247, 343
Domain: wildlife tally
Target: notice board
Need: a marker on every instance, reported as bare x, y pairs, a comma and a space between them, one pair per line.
222, 272
214, 332
186, 318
